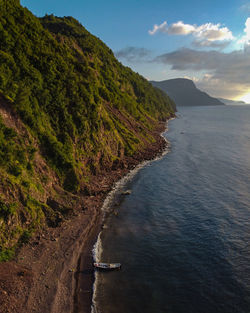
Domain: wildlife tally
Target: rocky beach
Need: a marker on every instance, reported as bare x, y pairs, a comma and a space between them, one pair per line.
54, 272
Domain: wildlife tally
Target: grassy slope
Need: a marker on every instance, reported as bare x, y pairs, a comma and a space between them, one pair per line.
69, 109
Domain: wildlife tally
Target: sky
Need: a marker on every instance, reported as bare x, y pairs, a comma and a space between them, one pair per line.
206, 41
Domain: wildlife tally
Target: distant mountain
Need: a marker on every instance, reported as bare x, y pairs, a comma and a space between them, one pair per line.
185, 93
232, 102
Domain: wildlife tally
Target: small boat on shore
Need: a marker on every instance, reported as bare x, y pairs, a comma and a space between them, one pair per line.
108, 266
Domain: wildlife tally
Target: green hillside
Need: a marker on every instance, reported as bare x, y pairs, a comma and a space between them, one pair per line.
68, 109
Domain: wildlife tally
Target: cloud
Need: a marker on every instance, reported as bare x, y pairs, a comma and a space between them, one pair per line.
220, 88
163, 28
206, 43
245, 7
189, 59
221, 74
180, 28
134, 54
234, 66
213, 32
245, 39
228, 74
206, 35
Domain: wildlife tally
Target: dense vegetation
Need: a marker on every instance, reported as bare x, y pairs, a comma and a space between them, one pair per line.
74, 101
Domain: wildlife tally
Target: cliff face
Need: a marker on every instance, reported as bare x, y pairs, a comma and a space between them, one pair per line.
184, 92
69, 112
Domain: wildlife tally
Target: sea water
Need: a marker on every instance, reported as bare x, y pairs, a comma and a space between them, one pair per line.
183, 233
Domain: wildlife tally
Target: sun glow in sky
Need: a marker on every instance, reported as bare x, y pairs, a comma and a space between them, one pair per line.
246, 98
207, 40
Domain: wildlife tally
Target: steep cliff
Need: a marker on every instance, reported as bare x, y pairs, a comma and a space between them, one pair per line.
185, 93
69, 113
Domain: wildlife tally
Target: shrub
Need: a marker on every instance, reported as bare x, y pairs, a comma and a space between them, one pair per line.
6, 254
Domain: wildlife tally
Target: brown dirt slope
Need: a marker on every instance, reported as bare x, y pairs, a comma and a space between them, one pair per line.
53, 273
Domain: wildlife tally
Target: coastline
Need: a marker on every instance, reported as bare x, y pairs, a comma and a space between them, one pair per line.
54, 272
114, 197
83, 301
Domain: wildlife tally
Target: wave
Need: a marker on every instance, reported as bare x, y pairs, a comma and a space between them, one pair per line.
115, 194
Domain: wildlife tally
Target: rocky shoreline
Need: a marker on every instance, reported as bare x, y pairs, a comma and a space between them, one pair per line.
54, 272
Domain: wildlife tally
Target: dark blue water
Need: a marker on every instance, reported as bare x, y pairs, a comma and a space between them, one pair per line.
183, 233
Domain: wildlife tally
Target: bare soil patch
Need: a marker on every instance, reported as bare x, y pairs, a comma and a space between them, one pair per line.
54, 272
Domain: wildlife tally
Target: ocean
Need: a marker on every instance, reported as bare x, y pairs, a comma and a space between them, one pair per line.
182, 235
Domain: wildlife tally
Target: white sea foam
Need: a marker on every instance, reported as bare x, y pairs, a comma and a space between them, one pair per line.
97, 252
97, 249
118, 188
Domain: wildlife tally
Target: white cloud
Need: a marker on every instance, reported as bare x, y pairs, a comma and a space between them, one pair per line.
205, 35
213, 32
163, 28
180, 28
245, 40
226, 75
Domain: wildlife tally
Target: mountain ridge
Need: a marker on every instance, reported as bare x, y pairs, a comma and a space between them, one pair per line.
184, 92
70, 112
